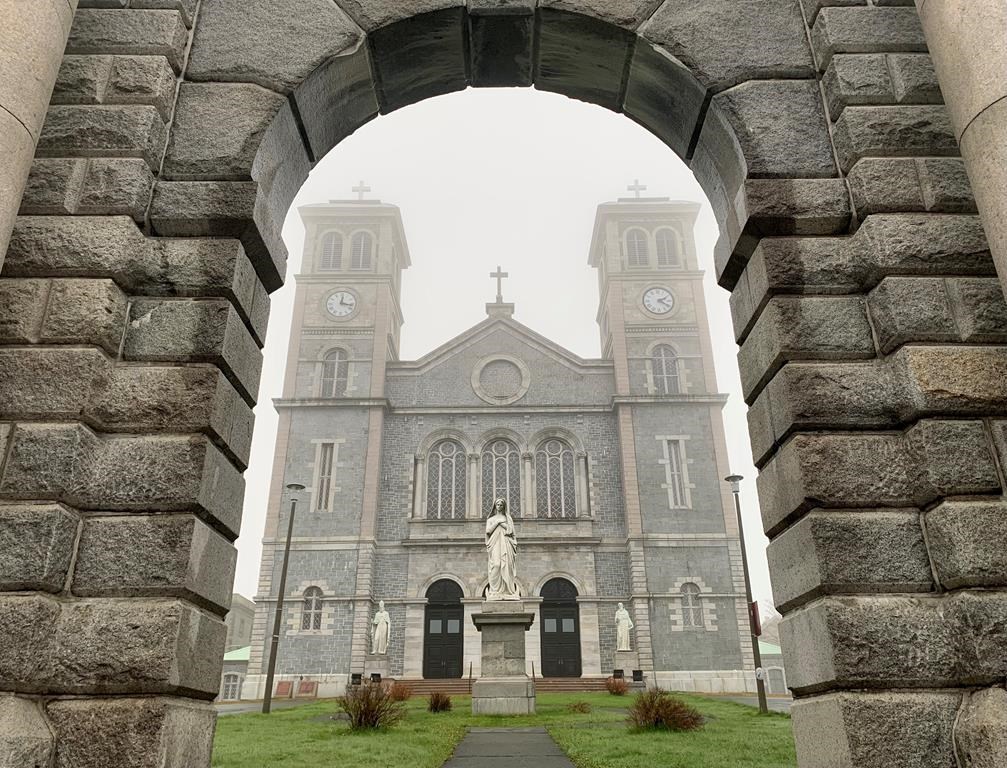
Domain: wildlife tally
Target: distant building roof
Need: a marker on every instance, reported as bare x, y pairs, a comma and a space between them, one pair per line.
768, 648
238, 654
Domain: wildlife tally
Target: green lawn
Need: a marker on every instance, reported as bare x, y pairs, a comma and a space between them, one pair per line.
735, 736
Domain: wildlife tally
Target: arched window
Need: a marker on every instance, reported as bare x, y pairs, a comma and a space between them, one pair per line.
332, 252
637, 251
232, 687
502, 475
664, 361
362, 247
692, 606
669, 252
335, 373
311, 614
446, 476
555, 489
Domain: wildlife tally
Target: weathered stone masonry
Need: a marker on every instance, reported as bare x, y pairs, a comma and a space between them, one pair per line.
134, 298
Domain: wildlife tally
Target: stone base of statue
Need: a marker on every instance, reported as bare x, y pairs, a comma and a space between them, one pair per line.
504, 687
375, 664
627, 661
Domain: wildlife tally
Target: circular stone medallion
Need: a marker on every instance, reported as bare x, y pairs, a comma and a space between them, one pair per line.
501, 379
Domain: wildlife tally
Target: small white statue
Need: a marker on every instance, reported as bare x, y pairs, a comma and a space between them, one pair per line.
623, 624
382, 629
501, 550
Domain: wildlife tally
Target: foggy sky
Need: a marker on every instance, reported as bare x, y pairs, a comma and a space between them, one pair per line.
508, 177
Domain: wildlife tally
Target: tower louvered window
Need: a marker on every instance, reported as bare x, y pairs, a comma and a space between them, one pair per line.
664, 361
555, 487
331, 258
335, 373
311, 613
363, 245
501, 470
446, 481
669, 252
637, 250
692, 606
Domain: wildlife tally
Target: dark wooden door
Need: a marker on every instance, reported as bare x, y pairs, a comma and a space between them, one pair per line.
443, 645
560, 630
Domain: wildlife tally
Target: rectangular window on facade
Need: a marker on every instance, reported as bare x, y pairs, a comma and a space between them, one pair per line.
675, 473
326, 455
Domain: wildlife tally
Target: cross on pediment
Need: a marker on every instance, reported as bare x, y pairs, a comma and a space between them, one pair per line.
636, 187
361, 189
499, 276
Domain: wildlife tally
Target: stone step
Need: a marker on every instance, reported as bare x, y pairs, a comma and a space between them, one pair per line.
460, 687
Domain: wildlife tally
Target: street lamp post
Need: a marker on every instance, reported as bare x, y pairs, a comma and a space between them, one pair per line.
735, 481
267, 700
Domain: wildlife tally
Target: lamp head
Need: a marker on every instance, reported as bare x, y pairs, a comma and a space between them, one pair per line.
295, 487
735, 481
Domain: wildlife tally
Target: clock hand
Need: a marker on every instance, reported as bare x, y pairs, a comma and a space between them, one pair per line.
343, 302
664, 300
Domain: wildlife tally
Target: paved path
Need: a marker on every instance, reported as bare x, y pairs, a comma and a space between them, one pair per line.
508, 748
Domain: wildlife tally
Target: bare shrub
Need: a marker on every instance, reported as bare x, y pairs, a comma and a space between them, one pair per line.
400, 692
370, 705
579, 707
657, 709
617, 686
439, 702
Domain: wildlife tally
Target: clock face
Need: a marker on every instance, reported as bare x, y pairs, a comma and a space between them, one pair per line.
660, 301
341, 304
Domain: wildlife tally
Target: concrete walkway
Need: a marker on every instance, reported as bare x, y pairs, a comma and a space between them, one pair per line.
508, 748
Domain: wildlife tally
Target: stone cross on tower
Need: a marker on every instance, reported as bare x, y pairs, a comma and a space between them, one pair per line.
636, 187
499, 275
361, 189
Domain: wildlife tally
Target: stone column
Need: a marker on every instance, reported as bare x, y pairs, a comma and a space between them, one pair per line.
967, 43
473, 487
583, 506
412, 665
32, 40
527, 492
419, 485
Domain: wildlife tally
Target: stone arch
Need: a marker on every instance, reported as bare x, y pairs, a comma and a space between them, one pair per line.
446, 433
828, 205
422, 591
565, 576
562, 433
500, 433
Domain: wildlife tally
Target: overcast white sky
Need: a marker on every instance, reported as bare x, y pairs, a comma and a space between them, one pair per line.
510, 177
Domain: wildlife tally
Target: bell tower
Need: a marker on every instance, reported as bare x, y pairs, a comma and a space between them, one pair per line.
346, 327
654, 327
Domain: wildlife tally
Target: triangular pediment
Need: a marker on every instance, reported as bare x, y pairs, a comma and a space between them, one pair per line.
500, 362
484, 332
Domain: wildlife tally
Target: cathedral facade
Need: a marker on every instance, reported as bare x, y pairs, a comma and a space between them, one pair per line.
613, 470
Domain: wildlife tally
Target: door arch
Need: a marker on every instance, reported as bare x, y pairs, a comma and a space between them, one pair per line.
560, 629
443, 631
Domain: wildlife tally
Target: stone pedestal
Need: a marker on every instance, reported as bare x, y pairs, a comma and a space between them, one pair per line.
503, 688
627, 661
378, 664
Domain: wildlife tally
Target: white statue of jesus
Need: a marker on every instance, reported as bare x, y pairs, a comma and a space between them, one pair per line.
382, 630
501, 548
623, 624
